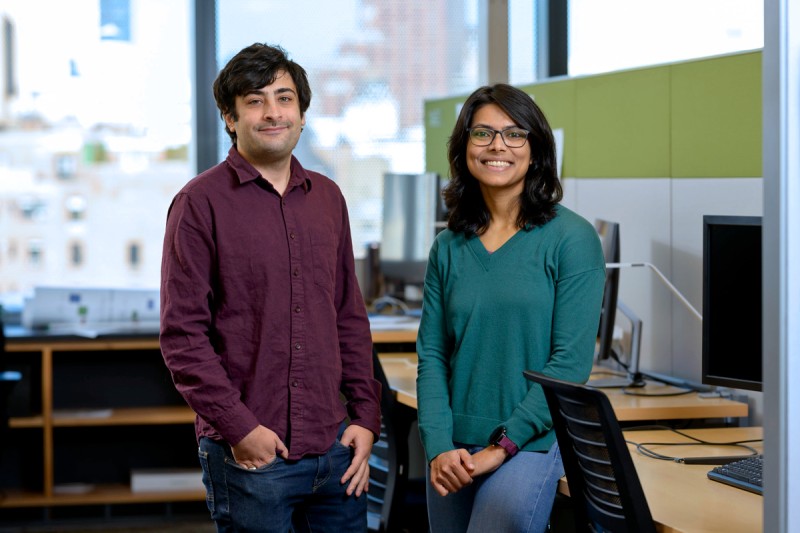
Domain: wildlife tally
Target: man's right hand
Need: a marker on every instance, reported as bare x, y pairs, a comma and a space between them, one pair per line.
451, 471
259, 447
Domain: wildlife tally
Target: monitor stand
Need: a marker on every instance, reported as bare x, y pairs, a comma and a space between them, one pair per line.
634, 378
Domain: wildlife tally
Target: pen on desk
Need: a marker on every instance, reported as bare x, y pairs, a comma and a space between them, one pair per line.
718, 460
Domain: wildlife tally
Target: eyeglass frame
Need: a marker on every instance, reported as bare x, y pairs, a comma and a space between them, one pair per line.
494, 135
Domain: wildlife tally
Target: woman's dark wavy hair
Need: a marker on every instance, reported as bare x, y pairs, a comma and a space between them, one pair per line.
542, 191
251, 69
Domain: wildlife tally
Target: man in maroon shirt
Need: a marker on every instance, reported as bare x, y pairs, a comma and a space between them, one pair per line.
262, 322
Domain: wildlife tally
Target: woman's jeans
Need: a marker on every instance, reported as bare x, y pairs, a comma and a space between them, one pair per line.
517, 497
282, 496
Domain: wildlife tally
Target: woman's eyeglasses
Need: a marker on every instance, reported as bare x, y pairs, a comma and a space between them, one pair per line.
512, 137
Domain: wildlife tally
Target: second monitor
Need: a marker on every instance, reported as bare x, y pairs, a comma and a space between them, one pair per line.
410, 207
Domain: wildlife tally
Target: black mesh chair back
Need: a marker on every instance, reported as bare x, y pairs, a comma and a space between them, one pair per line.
388, 464
604, 488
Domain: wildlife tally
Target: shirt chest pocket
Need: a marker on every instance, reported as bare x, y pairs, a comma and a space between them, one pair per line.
323, 257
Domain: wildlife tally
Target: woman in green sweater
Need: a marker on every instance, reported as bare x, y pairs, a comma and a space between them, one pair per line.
514, 283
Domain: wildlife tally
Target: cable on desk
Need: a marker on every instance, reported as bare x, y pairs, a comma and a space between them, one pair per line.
642, 447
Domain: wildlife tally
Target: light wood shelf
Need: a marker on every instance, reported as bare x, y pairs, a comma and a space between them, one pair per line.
49, 358
129, 416
18, 422
98, 495
46, 357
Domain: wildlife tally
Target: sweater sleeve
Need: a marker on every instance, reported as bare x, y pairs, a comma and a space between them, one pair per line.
579, 285
433, 349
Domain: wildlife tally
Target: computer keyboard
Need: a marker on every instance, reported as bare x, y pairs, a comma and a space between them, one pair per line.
745, 474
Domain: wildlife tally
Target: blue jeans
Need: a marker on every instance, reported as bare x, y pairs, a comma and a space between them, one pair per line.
282, 496
517, 497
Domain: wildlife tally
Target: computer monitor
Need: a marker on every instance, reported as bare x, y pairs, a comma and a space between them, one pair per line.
626, 352
610, 241
410, 208
732, 302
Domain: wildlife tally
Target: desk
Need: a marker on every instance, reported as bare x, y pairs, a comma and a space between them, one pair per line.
681, 497
401, 371
394, 329
629, 408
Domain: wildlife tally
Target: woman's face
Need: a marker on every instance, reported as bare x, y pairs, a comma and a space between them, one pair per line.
497, 167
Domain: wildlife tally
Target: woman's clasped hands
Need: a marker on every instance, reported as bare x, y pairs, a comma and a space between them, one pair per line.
453, 470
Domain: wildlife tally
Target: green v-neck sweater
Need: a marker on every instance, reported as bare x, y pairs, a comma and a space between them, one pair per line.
533, 304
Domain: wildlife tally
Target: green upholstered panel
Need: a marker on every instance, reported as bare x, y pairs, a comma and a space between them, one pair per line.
623, 124
716, 117
697, 118
557, 100
440, 117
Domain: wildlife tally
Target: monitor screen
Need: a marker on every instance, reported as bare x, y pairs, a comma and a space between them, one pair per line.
609, 238
732, 301
410, 208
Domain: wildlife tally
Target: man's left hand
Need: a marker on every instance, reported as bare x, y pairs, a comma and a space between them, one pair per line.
360, 439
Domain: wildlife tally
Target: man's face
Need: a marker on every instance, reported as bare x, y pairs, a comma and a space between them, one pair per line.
269, 122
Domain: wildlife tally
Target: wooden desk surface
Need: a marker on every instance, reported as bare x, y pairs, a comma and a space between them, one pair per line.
681, 497
401, 371
630, 408
20, 340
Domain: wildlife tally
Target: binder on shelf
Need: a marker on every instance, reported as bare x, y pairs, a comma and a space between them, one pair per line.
166, 479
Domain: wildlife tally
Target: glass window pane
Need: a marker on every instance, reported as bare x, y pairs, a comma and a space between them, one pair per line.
95, 121
522, 46
618, 34
371, 65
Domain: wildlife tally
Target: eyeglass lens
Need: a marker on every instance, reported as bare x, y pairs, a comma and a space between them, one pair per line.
512, 137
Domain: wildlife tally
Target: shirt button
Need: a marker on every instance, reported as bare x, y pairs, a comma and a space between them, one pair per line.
291, 235
297, 346
294, 383
296, 272
297, 309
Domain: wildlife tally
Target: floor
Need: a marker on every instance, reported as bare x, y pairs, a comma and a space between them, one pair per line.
205, 526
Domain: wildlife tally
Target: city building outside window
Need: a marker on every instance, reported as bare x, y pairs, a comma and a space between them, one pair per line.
101, 125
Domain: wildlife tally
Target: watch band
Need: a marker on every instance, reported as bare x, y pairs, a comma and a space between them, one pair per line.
508, 445
500, 438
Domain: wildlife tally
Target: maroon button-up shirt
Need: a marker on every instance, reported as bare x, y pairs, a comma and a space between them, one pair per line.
262, 320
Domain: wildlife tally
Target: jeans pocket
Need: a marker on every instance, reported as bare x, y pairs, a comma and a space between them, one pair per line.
203, 457
263, 468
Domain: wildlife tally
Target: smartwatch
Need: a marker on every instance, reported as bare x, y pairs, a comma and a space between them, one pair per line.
500, 438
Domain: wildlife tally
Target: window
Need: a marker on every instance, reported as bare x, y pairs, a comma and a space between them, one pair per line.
75, 254
134, 254
620, 34
66, 165
104, 119
522, 45
76, 207
35, 252
31, 208
100, 117
371, 65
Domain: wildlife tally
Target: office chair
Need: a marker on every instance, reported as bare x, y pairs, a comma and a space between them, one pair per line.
605, 491
388, 465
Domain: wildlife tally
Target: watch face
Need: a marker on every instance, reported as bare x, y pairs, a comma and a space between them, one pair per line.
497, 434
